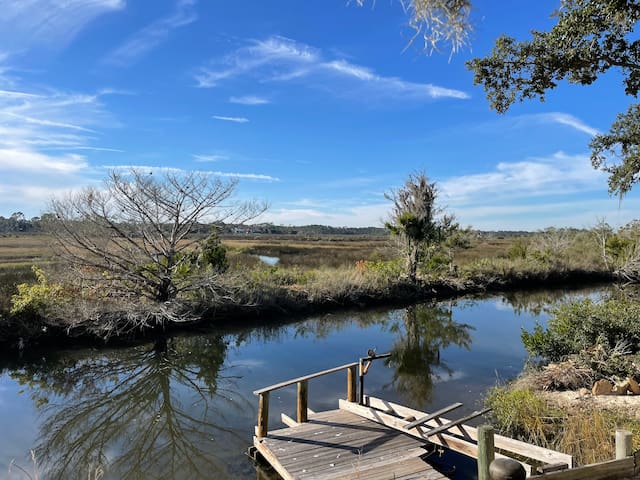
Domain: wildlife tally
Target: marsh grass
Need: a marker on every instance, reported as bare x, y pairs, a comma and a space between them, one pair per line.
313, 274
586, 432
314, 254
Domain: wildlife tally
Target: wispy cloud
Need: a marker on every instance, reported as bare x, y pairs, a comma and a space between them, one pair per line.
231, 119
249, 176
30, 161
152, 35
249, 100
559, 173
210, 158
356, 216
48, 23
396, 86
564, 119
42, 132
279, 59
152, 168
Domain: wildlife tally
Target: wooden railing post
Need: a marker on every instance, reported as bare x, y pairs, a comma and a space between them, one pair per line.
486, 451
263, 415
624, 444
303, 394
352, 384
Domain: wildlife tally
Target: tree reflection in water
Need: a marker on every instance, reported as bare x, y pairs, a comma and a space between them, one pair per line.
144, 412
415, 354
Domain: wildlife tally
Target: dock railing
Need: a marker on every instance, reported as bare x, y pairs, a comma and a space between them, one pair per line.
354, 370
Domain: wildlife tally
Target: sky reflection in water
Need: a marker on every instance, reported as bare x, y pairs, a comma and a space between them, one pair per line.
183, 407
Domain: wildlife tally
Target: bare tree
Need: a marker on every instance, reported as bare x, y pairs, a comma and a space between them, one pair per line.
133, 237
417, 221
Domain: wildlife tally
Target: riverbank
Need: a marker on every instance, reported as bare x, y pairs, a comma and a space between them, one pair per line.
571, 421
583, 382
265, 300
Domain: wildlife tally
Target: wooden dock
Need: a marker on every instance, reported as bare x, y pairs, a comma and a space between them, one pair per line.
342, 445
370, 438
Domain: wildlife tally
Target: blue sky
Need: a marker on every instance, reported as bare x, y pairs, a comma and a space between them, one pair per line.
318, 107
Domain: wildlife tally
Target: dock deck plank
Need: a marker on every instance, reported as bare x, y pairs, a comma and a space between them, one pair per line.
342, 445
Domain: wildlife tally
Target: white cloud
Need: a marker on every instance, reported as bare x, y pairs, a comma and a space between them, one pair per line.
42, 131
48, 23
356, 216
152, 35
210, 158
231, 119
559, 173
393, 85
249, 176
578, 213
151, 169
279, 59
565, 119
29, 161
249, 100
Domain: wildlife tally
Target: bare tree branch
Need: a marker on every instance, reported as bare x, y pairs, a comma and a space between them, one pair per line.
134, 233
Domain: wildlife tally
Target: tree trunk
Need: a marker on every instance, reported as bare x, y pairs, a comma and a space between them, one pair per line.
412, 262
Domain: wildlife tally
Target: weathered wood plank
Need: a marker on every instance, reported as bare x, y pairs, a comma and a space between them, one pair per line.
303, 396
263, 415
407, 469
433, 415
452, 442
486, 451
324, 448
352, 386
450, 424
306, 377
611, 470
541, 454
288, 421
272, 459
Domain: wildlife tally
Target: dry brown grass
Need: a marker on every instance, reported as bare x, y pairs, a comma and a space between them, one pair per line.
561, 376
18, 250
584, 430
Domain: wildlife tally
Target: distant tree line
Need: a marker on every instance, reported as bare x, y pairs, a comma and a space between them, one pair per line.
17, 222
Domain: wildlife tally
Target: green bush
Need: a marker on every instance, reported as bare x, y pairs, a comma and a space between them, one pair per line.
519, 249
36, 298
280, 276
602, 336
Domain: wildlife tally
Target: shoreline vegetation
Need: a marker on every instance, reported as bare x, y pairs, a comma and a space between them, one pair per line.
43, 307
313, 274
581, 383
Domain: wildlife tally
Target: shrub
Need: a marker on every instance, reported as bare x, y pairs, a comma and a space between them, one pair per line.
37, 298
519, 249
580, 325
603, 336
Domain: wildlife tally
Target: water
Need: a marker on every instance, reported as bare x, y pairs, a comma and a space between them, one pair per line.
182, 407
271, 261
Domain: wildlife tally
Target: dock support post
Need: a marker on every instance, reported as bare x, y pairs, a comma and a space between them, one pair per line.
486, 451
624, 444
263, 415
351, 384
303, 394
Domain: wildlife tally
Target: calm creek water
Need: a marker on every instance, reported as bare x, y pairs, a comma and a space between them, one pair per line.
183, 408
